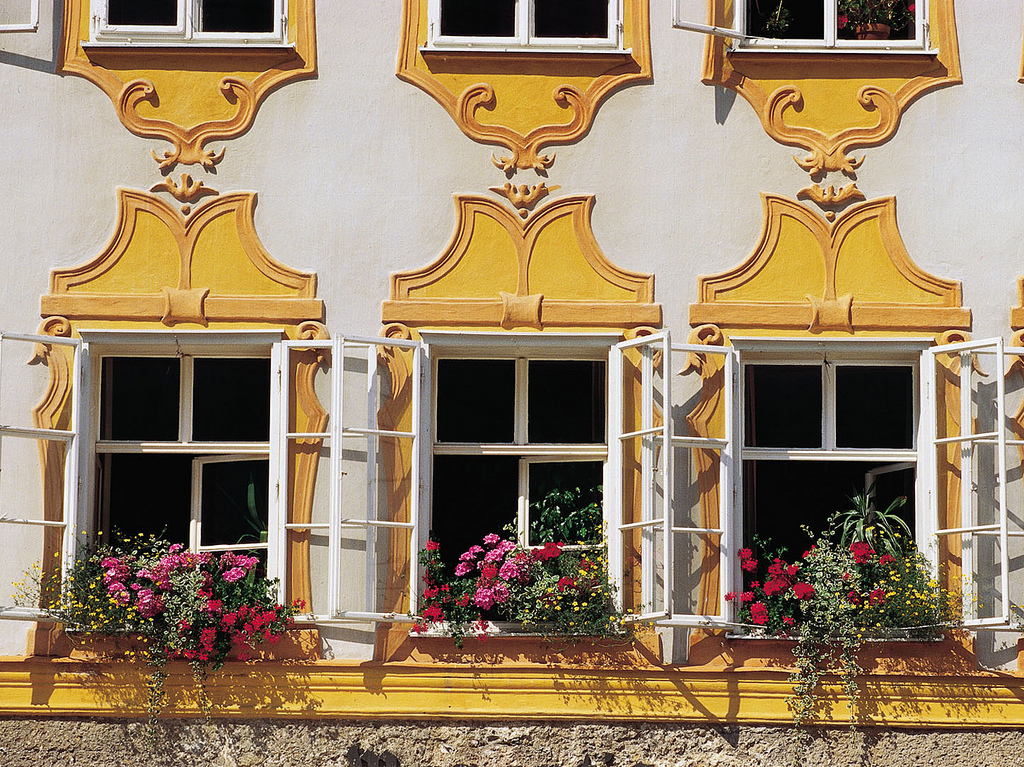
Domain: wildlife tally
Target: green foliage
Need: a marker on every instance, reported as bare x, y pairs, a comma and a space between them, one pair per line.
569, 515
885, 531
894, 13
769, 18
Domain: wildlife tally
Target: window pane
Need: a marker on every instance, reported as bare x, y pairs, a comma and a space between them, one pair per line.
140, 398
234, 509
565, 502
143, 13
566, 401
476, 400
782, 496
570, 18
788, 19
783, 407
898, 25
874, 406
231, 400
147, 494
478, 18
472, 496
237, 16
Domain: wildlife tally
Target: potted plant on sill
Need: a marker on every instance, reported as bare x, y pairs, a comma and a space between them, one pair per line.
842, 592
159, 602
874, 19
552, 590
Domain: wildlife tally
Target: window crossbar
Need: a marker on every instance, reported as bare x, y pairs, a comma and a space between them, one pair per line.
39, 522
58, 435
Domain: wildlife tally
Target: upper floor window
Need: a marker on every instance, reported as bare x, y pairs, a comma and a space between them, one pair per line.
837, 24
189, 21
525, 23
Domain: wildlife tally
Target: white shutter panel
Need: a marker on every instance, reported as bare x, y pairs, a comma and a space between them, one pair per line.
361, 548
986, 534
675, 548
21, 386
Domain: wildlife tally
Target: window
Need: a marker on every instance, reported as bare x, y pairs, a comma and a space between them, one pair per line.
182, 443
192, 21
525, 23
819, 429
519, 443
832, 24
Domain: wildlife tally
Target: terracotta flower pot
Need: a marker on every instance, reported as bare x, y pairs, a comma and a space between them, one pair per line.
873, 31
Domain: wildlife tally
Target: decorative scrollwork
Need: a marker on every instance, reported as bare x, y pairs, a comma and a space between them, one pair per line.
829, 153
524, 196
526, 148
189, 144
187, 190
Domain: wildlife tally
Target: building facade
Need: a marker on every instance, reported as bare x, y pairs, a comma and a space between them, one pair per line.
391, 270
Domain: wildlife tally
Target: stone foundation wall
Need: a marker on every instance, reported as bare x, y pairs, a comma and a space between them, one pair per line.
53, 742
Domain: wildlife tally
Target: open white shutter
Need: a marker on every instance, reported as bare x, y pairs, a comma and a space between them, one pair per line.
988, 536
21, 386
356, 546
673, 551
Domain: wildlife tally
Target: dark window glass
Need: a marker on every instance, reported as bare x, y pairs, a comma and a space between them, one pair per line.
783, 407
565, 502
231, 400
478, 18
143, 13
570, 18
476, 400
791, 20
140, 398
237, 16
234, 502
874, 406
782, 496
149, 494
566, 401
472, 497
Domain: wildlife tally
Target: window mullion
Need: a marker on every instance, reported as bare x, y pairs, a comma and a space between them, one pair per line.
524, 21
185, 399
831, 23
187, 14
522, 414
523, 506
828, 406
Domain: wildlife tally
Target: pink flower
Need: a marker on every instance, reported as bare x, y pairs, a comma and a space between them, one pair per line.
234, 574
484, 598
491, 538
470, 554
462, 568
509, 570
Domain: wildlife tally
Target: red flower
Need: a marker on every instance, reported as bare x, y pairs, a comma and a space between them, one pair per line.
730, 596
841, 20
803, 590
549, 550
759, 613
489, 571
786, 620
747, 596
433, 613
750, 565
777, 567
861, 551
877, 596
853, 597
433, 546
792, 570
775, 586
886, 559
755, 584
746, 554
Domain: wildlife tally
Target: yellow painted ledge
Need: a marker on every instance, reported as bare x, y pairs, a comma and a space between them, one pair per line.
373, 690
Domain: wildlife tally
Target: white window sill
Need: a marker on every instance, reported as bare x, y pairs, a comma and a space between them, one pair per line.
574, 50
182, 45
880, 50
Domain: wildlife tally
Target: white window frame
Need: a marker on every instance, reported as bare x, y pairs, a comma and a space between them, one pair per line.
523, 38
743, 40
32, 25
71, 438
522, 348
186, 345
342, 428
185, 31
829, 354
